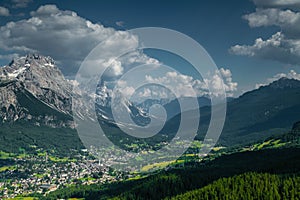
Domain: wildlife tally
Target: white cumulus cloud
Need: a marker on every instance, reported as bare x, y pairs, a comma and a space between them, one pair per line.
172, 84
283, 46
66, 37
186, 86
114, 68
287, 20
278, 47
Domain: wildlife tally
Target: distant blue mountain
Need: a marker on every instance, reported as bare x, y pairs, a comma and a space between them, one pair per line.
257, 114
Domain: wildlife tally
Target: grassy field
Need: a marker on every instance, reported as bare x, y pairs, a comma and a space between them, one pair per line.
56, 159
4, 168
160, 165
24, 198
5, 155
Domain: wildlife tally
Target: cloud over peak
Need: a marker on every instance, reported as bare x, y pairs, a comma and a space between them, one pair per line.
184, 85
61, 34
292, 74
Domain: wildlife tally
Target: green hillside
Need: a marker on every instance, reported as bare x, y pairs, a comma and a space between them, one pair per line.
254, 116
14, 137
248, 186
278, 155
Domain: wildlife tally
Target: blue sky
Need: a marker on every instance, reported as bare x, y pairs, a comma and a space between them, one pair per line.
217, 25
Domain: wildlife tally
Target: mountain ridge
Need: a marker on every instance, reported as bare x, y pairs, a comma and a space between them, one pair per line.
256, 114
37, 80
33, 89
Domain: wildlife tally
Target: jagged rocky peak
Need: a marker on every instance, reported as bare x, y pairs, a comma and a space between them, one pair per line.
32, 59
33, 78
37, 71
29, 67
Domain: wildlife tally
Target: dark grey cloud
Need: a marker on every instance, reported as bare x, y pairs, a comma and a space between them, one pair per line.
4, 11
287, 20
20, 3
291, 4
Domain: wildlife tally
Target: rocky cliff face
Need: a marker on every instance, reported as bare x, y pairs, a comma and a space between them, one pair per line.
32, 88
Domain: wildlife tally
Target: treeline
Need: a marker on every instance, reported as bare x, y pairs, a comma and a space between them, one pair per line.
22, 135
248, 186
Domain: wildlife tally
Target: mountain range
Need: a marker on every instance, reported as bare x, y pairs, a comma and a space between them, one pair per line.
34, 91
266, 111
